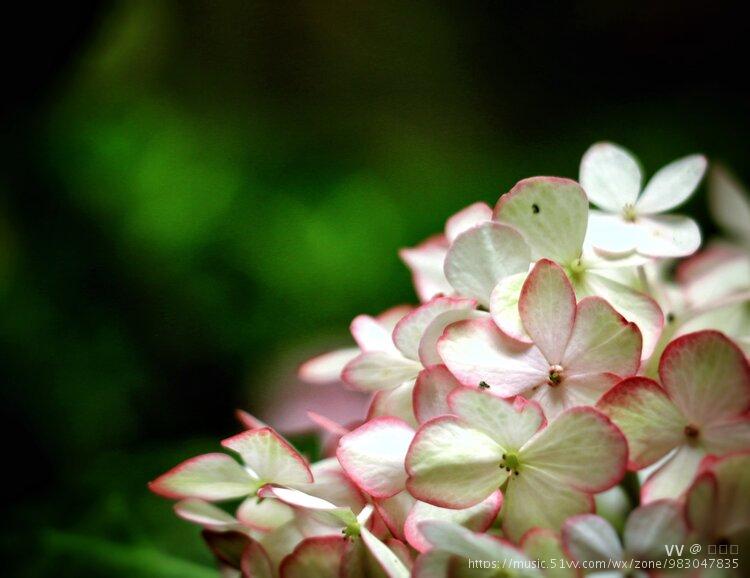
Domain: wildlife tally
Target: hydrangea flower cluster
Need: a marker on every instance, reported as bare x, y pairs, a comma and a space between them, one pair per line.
566, 399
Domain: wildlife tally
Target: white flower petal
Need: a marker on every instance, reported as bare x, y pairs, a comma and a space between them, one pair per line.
581, 448
534, 499
482, 256
611, 235
208, 477
476, 351
452, 465
373, 455
550, 213
667, 236
610, 175
602, 341
547, 307
672, 185
511, 423
504, 307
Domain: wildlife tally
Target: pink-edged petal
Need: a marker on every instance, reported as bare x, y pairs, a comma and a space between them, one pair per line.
428, 351
430, 395
551, 214
602, 340
467, 218
319, 556
582, 448
255, 562
248, 420
701, 500
504, 307
672, 185
667, 236
459, 541
205, 514
652, 526
547, 307
263, 515
631, 304
477, 518
544, 545
650, 421
511, 423
394, 511
408, 332
378, 370
572, 392
373, 455
208, 477
732, 515
482, 256
590, 538
371, 335
477, 351
535, 499
270, 456
452, 465
388, 561
426, 264
611, 236
707, 376
610, 175
673, 477
726, 437
396, 402
729, 204
327, 368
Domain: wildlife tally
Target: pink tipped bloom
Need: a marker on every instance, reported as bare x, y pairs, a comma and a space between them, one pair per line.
579, 352
549, 473
700, 408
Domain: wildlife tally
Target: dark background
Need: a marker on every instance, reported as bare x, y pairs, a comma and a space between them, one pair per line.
195, 196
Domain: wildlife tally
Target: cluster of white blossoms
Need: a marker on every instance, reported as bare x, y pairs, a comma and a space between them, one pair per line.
565, 397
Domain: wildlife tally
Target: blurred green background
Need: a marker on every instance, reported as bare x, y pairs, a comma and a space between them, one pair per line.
197, 195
